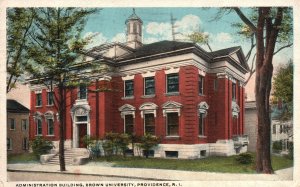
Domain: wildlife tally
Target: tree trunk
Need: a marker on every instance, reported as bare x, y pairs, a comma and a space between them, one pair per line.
61, 128
266, 36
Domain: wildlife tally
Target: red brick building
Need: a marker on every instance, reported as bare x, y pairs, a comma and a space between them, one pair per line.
191, 98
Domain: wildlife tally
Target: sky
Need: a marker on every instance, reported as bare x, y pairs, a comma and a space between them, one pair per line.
109, 26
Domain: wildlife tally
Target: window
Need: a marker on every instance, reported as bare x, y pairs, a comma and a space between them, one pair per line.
203, 153
24, 124
81, 119
149, 86
38, 127
171, 154
274, 129
129, 88
233, 91
128, 122
172, 124
172, 83
149, 121
38, 99
201, 124
50, 126
50, 100
12, 124
82, 94
134, 28
280, 130
201, 85
25, 144
9, 144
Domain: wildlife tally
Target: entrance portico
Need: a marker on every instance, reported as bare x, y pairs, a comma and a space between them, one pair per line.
81, 123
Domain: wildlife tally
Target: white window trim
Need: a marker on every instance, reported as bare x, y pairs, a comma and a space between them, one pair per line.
128, 77
170, 107
127, 109
148, 74
36, 99
202, 109
172, 70
201, 72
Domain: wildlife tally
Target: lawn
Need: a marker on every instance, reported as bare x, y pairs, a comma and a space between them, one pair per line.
210, 164
22, 158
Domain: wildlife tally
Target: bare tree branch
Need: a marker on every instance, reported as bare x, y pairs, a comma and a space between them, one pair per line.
283, 47
252, 70
245, 19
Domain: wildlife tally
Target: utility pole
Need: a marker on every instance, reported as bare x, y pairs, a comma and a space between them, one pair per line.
173, 27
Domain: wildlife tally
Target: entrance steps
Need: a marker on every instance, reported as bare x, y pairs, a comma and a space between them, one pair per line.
74, 156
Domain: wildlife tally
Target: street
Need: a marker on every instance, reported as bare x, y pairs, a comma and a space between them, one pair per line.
37, 176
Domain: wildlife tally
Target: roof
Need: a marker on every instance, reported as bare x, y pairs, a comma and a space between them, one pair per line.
133, 16
15, 107
158, 47
224, 52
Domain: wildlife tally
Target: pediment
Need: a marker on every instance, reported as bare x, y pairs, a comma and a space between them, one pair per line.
171, 104
203, 105
127, 107
148, 106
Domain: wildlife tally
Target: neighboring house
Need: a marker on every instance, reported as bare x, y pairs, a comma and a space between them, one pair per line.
281, 130
191, 98
17, 127
251, 124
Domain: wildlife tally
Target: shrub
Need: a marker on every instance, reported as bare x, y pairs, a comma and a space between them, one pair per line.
277, 146
148, 141
244, 158
40, 146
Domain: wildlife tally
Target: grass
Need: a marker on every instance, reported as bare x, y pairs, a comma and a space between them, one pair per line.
22, 158
210, 164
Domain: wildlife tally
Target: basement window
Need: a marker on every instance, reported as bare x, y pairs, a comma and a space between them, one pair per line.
203, 153
171, 154
150, 153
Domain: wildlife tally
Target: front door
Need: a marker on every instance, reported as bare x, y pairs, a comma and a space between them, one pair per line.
82, 132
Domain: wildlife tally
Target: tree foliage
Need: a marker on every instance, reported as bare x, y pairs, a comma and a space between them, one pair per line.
54, 49
19, 25
283, 83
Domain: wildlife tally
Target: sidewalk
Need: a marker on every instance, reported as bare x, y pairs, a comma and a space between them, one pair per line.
104, 169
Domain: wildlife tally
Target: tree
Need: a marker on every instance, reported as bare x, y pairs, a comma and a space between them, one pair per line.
201, 38
283, 83
269, 30
55, 47
19, 24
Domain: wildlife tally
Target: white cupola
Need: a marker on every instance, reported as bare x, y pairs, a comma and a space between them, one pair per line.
134, 31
